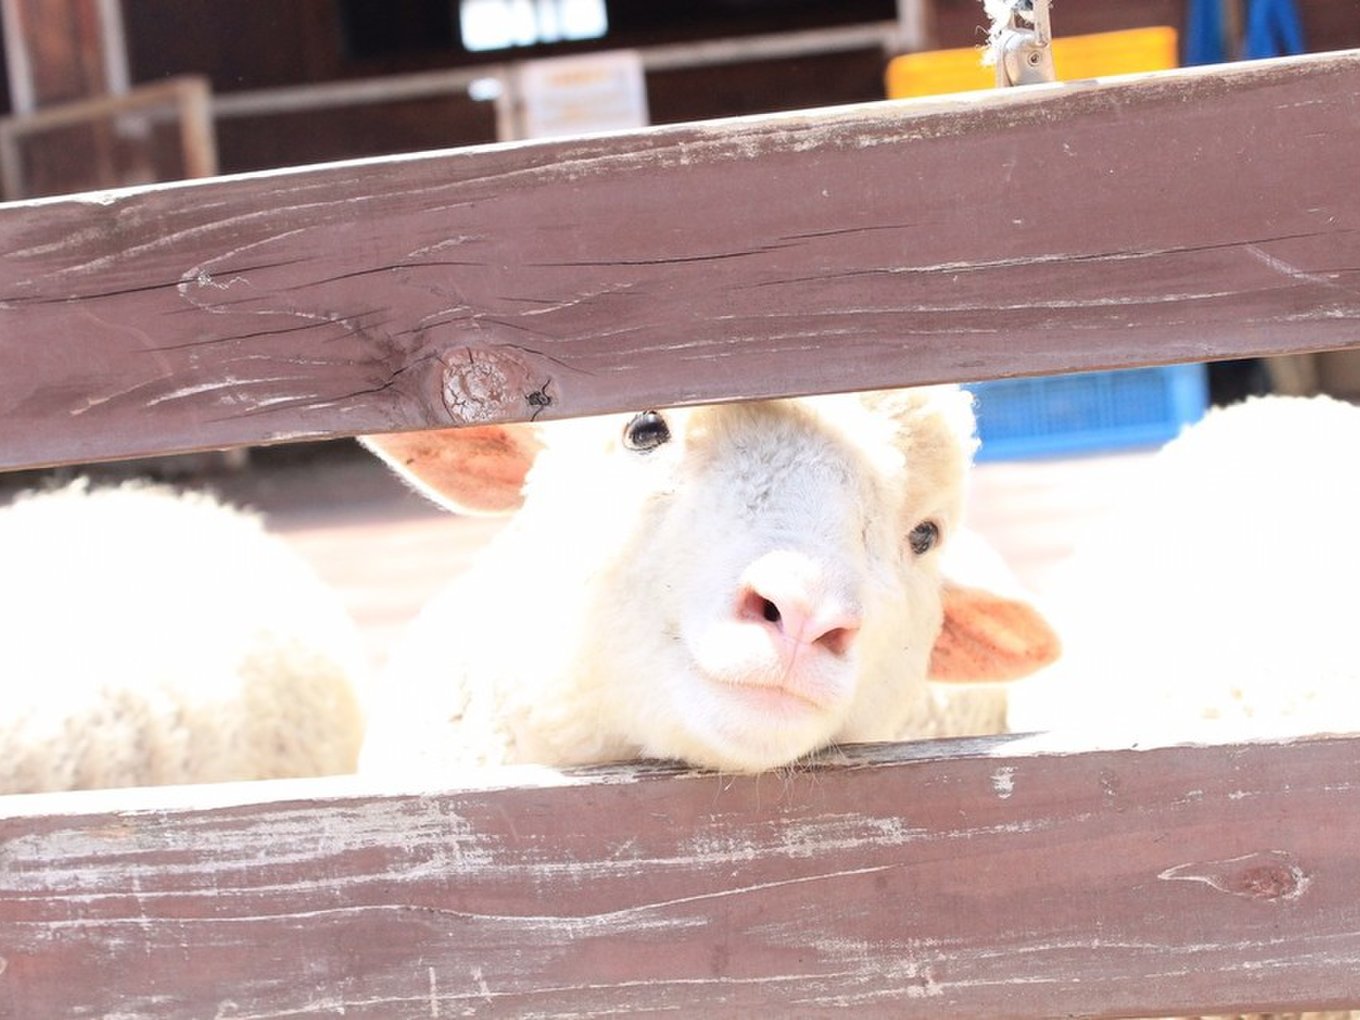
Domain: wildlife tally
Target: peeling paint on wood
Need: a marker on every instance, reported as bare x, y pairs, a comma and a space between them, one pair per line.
1085, 225
897, 879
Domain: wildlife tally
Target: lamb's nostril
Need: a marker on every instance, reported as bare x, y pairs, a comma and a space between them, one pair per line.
755, 606
838, 640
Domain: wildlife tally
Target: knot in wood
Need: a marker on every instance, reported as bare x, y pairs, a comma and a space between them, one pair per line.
1273, 881
1271, 876
484, 385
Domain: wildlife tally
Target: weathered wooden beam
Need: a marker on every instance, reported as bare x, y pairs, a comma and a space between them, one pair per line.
924, 880
1189, 215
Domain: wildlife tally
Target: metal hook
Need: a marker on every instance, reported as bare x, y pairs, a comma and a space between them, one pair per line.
1023, 53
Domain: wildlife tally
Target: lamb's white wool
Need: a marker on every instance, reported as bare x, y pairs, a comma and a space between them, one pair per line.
1221, 591
150, 637
731, 586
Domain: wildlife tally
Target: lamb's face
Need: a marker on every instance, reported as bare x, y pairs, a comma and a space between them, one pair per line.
759, 580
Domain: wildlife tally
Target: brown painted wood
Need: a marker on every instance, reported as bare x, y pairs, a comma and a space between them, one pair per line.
932, 880
244, 44
269, 141
1329, 26
732, 90
64, 42
1194, 215
184, 102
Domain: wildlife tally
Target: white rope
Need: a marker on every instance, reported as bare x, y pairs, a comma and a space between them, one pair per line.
1018, 42
999, 13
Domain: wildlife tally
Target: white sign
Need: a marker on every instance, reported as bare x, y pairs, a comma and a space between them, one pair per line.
501, 24
580, 94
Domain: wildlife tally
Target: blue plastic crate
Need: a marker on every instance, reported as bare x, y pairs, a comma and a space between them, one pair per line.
1087, 412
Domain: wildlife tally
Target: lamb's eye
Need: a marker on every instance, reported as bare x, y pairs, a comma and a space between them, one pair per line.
646, 432
924, 537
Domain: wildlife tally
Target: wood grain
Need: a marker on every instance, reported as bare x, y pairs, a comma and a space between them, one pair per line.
1191, 215
931, 880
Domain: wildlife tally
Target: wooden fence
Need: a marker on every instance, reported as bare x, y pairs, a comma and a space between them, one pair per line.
1188, 215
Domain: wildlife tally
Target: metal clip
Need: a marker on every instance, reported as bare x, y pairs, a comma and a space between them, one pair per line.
1023, 54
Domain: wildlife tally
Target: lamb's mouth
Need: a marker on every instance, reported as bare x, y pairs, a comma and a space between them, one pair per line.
773, 698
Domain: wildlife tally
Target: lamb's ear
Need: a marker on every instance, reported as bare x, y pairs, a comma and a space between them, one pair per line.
479, 469
988, 637
990, 632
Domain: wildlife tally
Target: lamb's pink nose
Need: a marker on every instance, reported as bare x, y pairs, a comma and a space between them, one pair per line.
785, 592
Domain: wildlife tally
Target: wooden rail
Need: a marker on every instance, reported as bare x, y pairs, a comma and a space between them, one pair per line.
1191, 215
966, 879
1187, 215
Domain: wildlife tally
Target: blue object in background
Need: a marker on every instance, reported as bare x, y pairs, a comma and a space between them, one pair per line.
1205, 36
1051, 416
1273, 29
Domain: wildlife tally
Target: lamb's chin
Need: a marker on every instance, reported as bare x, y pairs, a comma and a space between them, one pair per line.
737, 727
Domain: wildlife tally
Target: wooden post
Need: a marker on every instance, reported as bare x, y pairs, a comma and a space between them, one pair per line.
61, 50
187, 99
65, 51
914, 25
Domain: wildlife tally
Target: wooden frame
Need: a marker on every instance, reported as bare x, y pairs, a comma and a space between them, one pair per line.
1077, 226
187, 98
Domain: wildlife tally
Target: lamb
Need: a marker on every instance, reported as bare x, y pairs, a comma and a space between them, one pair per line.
1215, 600
731, 586
152, 637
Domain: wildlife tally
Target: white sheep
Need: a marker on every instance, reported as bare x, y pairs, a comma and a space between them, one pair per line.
148, 637
731, 586
1217, 597
1216, 600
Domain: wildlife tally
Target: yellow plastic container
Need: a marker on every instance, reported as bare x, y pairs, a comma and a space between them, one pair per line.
1077, 56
